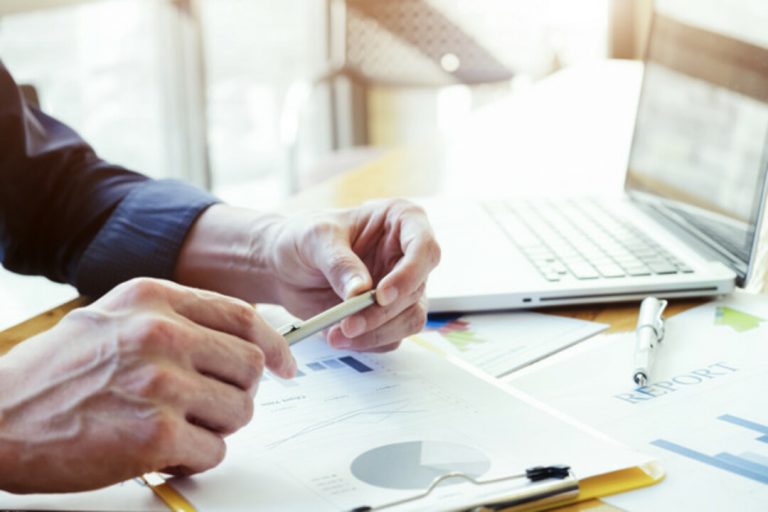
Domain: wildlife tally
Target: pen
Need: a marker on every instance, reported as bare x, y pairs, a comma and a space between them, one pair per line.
649, 333
298, 330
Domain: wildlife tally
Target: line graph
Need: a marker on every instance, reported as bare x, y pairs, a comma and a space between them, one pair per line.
373, 414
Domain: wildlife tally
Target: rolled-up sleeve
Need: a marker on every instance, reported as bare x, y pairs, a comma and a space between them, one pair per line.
142, 236
72, 217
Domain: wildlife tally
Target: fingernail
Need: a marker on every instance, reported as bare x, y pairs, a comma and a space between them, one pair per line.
353, 284
355, 326
387, 295
292, 367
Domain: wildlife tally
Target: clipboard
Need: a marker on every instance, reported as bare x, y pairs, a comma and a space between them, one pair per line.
551, 487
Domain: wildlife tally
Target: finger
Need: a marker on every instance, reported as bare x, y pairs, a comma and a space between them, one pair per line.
344, 270
408, 322
421, 254
222, 356
387, 348
307, 303
375, 316
194, 450
214, 405
201, 400
237, 318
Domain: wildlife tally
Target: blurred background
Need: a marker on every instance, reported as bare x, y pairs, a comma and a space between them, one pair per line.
258, 99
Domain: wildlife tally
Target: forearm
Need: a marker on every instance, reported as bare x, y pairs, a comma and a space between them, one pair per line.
228, 250
11, 444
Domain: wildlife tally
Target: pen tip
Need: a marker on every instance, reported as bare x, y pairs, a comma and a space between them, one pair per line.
640, 379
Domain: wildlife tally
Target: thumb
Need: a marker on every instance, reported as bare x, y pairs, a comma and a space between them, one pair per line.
344, 270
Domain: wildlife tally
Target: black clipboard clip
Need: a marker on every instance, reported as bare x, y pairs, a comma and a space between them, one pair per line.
553, 484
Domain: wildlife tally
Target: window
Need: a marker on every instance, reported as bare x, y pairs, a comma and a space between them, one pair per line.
107, 68
255, 51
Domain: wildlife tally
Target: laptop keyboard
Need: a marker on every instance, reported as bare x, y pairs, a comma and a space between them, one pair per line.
581, 240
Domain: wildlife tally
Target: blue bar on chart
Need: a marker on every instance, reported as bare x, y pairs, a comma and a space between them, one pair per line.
743, 463
333, 363
732, 463
355, 364
751, 425
754, 457
316, 366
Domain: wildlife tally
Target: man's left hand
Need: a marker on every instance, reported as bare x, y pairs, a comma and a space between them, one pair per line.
308, 263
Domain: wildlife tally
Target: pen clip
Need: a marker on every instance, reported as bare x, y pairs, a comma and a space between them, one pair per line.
651, 315
659, 320
299, 330
289, 328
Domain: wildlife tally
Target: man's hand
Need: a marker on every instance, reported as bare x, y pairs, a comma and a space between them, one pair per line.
152, 376
308, 263
387, 245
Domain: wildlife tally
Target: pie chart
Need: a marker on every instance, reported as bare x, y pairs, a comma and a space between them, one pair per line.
415, 464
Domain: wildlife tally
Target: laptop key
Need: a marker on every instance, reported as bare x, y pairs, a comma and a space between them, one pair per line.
682, 267
662, 268
583, 271
559, 268
637, 271
611, 270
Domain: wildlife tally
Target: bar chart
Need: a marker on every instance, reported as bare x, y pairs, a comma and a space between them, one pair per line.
455, 330
748, 464
344, 363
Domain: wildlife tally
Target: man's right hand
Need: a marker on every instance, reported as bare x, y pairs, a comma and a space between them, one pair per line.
152, 376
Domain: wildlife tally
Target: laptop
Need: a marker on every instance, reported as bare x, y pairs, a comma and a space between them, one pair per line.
687, 224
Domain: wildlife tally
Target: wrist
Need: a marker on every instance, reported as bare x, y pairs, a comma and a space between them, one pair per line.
228, 250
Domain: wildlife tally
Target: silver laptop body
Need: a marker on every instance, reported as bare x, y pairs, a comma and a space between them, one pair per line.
687, 225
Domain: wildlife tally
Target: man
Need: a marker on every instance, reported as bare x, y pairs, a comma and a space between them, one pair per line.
154, 374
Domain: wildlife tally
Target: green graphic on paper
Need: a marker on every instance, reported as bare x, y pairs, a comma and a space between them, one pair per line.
737, 320
455, 331
462, 339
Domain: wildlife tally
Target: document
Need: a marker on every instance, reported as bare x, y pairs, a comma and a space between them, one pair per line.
366, 429
500, 343
704, 414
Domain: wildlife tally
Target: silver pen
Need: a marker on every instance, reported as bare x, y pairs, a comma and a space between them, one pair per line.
298, 330
649, 333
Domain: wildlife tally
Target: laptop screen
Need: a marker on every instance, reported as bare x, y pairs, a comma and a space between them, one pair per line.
699, 154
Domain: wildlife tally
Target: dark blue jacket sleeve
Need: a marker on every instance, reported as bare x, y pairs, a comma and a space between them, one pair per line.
72, 217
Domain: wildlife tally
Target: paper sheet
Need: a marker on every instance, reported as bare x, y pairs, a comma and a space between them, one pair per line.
500, 343
704, 415
368, 429
357, 429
